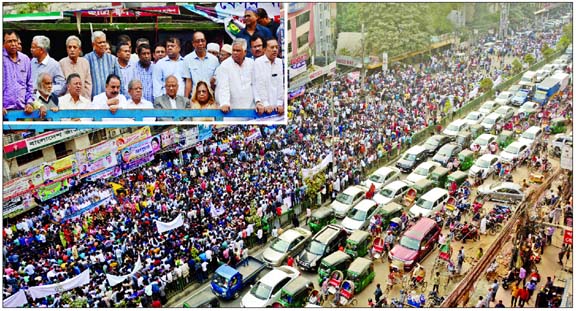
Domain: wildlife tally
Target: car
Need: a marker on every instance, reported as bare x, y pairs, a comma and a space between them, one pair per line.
506, 112
346, 199
411, 158
529, 107
416, 243
456, 126
381, 177
483, 141
421, 172
520, 97
516, 151
359, 216
433, 143
289, 243
502, 191
504, 98
393, 191
559, 141
267, 290
487, 163
532, 136
541, 75
323, 243
490, 121
488, 106
474, 117
447, 153
514, 88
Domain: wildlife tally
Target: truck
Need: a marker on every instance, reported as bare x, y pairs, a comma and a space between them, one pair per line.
546, 90
564, 80
228, 282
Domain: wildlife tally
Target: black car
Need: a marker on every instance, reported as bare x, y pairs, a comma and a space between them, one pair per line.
411, 158
434, 143
447, 153
322, 244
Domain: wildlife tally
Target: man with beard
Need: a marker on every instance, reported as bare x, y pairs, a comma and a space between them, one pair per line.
143, 71
269, 79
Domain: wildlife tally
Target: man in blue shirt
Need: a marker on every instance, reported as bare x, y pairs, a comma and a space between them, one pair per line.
42, 62
101, 63
252, 28
199, 65
169, 66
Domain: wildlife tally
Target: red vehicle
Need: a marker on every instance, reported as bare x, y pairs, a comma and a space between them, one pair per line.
416, 243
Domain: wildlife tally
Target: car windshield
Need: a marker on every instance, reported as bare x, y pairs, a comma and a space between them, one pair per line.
481, 141
410, 243
489, 120
511, 149
410, 157
376, 178
452, 127
387, 192
424, 204
316, 248
261, 291
421, 171
483, 163
473, 116
220, 280
356, 214
344, 198
280, 246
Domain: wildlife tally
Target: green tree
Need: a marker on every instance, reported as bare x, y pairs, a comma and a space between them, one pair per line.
516, 66
486, 84
529, 59
547, 52
31, 7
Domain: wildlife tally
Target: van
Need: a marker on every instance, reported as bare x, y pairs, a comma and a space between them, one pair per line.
532, 135
411, 158
528, 78
430, 202
416, 243
325, 242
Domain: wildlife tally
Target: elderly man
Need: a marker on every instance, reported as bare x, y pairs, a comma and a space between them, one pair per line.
213, 48
44, 94
235, 79
102, 64
136, 101
171, 100
42, 62
74, 98
199, 65
17, 88
126, 66
225, 52
111, 98
252, 28
269, 79
143, 70
169, 66
73, 63
257, 46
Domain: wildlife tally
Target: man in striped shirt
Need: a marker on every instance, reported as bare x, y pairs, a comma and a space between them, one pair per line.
101, 63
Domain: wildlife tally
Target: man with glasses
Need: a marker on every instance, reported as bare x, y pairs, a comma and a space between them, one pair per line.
17, 88
170, 65
198, 65
252, 28
102, 64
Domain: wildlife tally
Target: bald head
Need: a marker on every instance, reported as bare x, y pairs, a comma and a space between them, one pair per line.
171, 86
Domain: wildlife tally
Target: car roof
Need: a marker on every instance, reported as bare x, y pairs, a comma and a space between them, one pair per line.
533, 128
491, 102
358, 264
273, 277
364, 205
518, 143
292, 234
493, 115
416, 149
459, 121
414, 233
487, 135
434, 193
335, 257
397, 184
383, 170
511, 185
428, 164
488, 157
353, 190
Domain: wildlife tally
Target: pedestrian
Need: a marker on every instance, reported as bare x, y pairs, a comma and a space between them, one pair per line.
377, 292
325, 288
522, 276
370, 303
561, 254
290, 261
514, 292
495, 287
480, 303
488, 298
295, 221
480, 253
522, 296
436, 282
499, 304
460, 259
531, 287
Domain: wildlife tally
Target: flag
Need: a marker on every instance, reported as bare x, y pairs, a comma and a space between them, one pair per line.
17, 300
47, 290
167, 226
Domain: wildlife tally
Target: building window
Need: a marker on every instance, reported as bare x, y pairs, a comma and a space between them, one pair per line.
60, 150
289, 25
303, 39
290, 48
302, 18
29, 157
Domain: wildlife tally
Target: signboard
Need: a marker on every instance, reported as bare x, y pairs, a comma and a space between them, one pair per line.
16, 187
568, 237
137, 150
297, 69
169, 137
297, 83
53, 190
16, 204
204, 132
114, 171
124, 12
384, 61
566, 158
349, 61
297, 93
51, 138
136, 136
126, 167
300, 58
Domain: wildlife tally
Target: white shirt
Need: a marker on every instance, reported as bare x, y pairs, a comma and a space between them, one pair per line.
235, 84
66, 102
268, 81
144, 104
99, 102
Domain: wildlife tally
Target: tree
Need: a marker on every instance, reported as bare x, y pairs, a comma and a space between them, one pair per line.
529, 59
31, 7
486, 84
516, 66
547, 52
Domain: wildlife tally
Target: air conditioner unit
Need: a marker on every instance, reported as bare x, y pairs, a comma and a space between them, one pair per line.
113, 133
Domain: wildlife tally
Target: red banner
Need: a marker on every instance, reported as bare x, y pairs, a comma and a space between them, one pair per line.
568, 236
124, 12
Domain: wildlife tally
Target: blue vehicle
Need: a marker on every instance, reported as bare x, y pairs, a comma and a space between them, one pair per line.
545, 90
227, 282
520, 97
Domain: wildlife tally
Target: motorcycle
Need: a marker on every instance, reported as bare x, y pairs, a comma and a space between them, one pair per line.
472, 233
511, 278
493, 226
434, 300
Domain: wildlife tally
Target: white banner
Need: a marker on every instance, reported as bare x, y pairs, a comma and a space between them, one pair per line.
167, 226
47, 290
316, 169
566, 158
114, 279
384, 61
17, 300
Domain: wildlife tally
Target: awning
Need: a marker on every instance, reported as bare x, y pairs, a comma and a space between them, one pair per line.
40, 16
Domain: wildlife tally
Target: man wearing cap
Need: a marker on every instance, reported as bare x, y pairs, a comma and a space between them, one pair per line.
198, 65
213, 48
225, 52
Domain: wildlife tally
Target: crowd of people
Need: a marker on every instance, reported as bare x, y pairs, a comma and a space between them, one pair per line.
218, 190
247, 74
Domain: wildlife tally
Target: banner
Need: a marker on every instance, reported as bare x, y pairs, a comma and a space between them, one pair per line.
16, 187
188, 137
88, 208
568, 237
297, 93
52, 190
47, 290
17, 300
126, 167
253, 136
15, 149
204, 132
51, 138
316, 169
168, 137
167, 226
126, 12
19, 203
101, 150
296, 69
114, 280
349, 61
136, 136
114, 171
148, 146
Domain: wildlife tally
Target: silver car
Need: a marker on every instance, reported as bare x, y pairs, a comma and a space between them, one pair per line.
502, 191
289, 243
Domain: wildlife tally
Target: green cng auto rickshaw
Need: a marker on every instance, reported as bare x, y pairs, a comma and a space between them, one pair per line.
504, 139
558, 125
320, 218
358, 243
459, 177
466, 158
295, 294
389, 211
338, 260
361, 273
422, 186
476, 130
464, 138
439, 176
205, 299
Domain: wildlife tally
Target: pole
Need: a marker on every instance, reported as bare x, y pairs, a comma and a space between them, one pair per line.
363, 69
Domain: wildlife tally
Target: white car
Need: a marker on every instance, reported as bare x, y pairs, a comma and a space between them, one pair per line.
517, 150
487, 163
488, 106
346, 199
422, 172
528, 107
474, 117
391, 192
505, 111
289, 243
456, 126
359, 216
558, 143
504, 98
267, 290
381, 177
491, 120
541, 75
483, 141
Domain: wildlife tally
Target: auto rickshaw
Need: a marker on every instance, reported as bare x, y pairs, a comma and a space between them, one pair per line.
338, 260
321, 218
466, 158
439, 176
390, 211
459, 177
504, 139
315, 299
361, 273
205, 299
358, 243
395, 226
464, 138
476, 130
295, 294
419, 188
558, 125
